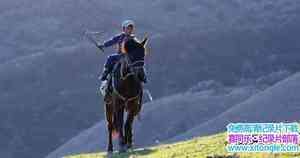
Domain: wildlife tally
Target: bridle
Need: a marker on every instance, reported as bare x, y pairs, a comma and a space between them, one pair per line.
129, 65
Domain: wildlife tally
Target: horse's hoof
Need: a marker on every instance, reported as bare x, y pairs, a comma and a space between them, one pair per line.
129, 147
130, 150
122, 149
109, 154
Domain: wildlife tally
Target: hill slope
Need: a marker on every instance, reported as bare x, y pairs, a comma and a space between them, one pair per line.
279, 103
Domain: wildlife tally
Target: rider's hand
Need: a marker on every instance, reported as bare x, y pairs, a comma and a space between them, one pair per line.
100, 46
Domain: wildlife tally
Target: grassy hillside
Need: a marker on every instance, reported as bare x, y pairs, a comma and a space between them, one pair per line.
48, 71
201, 147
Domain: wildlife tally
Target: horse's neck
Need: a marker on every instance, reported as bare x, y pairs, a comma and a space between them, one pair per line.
129, 86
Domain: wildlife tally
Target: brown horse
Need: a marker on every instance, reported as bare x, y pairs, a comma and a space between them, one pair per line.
126, 95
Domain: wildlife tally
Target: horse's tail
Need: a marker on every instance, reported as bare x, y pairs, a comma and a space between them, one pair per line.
147, 91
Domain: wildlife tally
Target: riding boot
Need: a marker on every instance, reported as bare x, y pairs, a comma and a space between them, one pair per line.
103, 88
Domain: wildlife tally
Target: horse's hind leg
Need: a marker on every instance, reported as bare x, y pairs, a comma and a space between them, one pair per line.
128, 129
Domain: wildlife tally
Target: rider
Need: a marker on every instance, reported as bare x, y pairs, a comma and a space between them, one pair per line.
127, 33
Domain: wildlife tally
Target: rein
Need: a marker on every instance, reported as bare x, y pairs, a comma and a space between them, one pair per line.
126, 100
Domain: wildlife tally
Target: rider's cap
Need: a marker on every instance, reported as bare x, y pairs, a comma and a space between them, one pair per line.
126, 23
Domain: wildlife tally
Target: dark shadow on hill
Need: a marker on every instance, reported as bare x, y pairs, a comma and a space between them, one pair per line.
128, 154
133, 153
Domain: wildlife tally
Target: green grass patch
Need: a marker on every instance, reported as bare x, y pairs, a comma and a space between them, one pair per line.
201, 147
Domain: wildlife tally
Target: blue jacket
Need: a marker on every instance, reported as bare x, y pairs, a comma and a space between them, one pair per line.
117, 39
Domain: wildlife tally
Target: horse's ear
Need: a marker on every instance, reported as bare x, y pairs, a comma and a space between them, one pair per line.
144, 42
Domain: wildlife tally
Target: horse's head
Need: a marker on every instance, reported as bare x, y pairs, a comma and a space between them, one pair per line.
134, 54
136, 49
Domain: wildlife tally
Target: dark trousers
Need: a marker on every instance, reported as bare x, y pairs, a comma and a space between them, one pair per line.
109, 65
111, 61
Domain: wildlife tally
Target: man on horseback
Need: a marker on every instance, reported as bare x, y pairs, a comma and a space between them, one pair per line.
119, 40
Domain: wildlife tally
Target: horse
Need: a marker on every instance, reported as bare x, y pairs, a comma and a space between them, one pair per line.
126, 95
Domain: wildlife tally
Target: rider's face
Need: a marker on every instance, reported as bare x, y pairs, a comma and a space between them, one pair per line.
129, 29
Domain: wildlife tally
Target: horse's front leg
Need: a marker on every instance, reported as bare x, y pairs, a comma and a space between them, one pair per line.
128, 130
120, 121
110, 127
